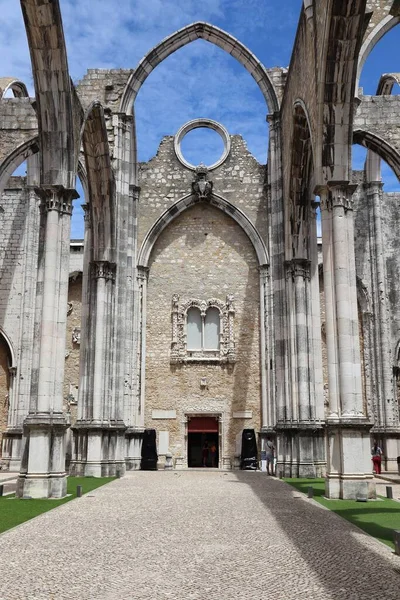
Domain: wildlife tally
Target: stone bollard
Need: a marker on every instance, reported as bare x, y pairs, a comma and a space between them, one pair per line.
396, 539
79, 491
168, 466
280, 474
310, 493
1, 490
118, 474
389, 492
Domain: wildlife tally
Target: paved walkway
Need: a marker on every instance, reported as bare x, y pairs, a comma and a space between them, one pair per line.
194, 536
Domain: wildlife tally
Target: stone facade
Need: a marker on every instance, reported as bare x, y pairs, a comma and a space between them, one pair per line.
309, 347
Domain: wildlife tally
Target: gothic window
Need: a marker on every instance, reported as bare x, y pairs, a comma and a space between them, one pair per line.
202, 330
212, 328
194, 329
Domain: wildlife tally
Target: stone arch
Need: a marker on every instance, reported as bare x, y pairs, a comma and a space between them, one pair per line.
301, 172
386, 83
53, 90
379, 146
383, 27
186, 35
342, 48
11, 352
18, 88
20, 154
100, 183
186, 202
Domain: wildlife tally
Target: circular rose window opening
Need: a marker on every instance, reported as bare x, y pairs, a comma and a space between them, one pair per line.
202, 141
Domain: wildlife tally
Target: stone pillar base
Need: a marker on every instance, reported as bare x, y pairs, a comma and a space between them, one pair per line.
42, 486
349, 473
301, 450
349, 488
99, 449
42, 472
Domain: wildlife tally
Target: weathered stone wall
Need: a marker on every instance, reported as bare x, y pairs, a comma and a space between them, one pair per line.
18, 124
4, 387
380, 115
71, 374
240, 179
203, 254
13, 215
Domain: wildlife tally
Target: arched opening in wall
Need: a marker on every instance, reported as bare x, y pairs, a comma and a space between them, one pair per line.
77, 219
200, 80
383, 58
73, 339
390, 181
5, 381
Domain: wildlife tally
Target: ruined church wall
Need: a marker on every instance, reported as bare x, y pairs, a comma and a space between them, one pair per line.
203, 254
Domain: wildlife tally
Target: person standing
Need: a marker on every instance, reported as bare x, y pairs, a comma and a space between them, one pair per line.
213, 453
269, 456
204, 453
377, 458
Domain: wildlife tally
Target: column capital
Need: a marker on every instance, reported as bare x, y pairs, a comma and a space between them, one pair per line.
142, 273
336, 193
102, 269
298, 267
264, 272
56, 197
134, 192
87, 214
273, 118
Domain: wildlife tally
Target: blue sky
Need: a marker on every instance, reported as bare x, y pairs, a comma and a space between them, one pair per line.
199, 80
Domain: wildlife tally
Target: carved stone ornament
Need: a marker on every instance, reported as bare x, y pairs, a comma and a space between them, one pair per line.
76, 335
200, 186
179, 352
103, 269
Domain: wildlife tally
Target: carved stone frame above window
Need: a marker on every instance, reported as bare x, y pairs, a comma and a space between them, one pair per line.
226, 351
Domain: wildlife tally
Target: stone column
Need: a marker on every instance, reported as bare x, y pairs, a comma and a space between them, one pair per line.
267, 411
42, 472
349, 457
303, 428
102, 275
386, 408
132, 418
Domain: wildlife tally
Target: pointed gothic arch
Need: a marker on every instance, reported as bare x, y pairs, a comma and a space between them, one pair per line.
186, 35
373, 142
188, 201
100, 183
17, 87
57, 105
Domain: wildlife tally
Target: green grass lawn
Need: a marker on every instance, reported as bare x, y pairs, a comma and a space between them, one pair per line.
376, 517
14, 511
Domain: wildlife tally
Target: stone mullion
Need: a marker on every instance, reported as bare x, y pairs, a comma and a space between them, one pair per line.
44, 474
142, 275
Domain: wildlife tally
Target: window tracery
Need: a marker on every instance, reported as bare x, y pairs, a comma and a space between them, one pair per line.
203, 330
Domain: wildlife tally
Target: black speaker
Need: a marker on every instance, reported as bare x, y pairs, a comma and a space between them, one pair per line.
248, 457
149, 451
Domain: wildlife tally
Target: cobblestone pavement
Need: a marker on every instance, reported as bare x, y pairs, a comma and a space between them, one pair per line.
194, 536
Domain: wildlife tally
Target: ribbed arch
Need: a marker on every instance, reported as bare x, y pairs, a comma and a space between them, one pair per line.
371, 40
100, 183
186, 35
380, 147
186, 202
17, 87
